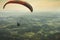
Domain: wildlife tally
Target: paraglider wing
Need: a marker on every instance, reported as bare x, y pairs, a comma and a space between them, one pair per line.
20, 2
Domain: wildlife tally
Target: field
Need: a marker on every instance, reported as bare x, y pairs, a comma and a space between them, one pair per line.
35, 26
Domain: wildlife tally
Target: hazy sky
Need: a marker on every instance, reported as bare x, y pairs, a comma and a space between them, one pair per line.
38, 5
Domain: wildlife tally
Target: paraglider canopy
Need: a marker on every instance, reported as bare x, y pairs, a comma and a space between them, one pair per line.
19, 2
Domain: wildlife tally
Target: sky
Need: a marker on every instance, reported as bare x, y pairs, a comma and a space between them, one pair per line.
38, 5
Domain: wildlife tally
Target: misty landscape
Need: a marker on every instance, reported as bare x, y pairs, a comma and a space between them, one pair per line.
32, 26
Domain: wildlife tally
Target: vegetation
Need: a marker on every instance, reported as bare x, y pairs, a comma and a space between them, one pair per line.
32, 27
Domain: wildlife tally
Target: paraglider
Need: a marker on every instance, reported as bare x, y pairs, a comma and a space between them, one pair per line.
19, 2
18, 24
